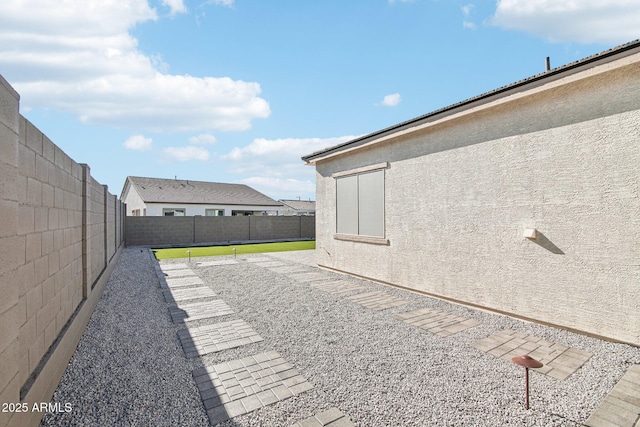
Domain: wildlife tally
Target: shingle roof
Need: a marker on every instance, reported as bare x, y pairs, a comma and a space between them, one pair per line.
300, 205
159, 190
522, 85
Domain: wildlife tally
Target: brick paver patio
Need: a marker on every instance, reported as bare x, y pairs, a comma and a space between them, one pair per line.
437, 322
243, 385
377, 300
199, 310
559, 361
197, 341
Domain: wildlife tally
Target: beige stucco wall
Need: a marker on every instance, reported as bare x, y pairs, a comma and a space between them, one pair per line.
563, 158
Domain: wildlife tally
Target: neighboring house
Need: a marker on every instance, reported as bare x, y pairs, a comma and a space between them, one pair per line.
179, 197
524, 200
297, 207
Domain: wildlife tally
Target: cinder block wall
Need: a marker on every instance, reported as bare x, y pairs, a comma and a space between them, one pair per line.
564, 159
156, 230
58, 245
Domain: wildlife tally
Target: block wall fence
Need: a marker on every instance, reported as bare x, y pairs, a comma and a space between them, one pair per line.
61, 233
158, 230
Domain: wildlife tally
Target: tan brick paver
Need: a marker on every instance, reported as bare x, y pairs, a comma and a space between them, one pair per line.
437, 322
559, 360
243, 385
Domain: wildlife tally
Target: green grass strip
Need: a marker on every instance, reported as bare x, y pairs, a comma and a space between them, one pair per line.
228, 250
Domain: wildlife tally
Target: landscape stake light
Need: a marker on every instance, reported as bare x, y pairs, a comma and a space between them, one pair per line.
528, 362
189, 252
234, 253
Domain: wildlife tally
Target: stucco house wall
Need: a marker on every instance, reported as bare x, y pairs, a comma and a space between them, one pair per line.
561, 155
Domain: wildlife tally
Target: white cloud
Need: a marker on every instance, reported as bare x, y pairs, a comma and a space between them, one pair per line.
203, 139
77, 56
584, 21
469, 25
390, 100
466, 11
176, 6
280, 188
185, 154
277, 163
227, 3
138, 143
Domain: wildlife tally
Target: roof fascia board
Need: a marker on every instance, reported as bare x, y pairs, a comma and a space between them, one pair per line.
590, 66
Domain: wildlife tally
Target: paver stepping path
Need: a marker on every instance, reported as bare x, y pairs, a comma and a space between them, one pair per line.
179, 266
307, 277
337, 287
559, 360
199, 310
621, 407
288, 269
437, 322
179, 273
259, 259
174, 296
216, 263
243, 385
197, 341
181, 282
267, 264
330, 418
377, 300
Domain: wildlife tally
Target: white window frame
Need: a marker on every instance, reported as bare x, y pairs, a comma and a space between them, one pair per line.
356, 191
215, 212
165, 210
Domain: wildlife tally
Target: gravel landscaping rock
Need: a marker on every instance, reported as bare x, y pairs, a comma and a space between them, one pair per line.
129, 368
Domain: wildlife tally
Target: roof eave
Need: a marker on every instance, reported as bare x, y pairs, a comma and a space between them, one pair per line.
487, 97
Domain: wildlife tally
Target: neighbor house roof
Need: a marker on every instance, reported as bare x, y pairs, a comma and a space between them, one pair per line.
159, 190
300, 205
607, 56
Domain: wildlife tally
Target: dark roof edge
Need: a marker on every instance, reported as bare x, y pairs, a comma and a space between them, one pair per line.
619, 52
164, 202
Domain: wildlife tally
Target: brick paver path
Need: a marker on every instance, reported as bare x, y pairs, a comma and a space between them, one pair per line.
338, 287
288, 269
179, 273
377, 300
216, 263
243, 385
179, 266
559, 360
621, 407
437, 322
174, 296
197, 341
267, 264
199, 310
307, 277
330, 418
181, 282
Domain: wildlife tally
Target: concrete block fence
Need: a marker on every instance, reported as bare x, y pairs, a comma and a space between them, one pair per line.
61, 233
159, 231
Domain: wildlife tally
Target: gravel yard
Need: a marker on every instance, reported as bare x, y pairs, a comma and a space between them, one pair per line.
130, 369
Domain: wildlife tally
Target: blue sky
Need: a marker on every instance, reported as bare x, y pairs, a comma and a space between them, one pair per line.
238, 90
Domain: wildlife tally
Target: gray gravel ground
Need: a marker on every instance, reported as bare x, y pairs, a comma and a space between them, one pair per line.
129, 369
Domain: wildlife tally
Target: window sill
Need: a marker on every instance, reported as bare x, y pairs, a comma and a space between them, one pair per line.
362, 239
